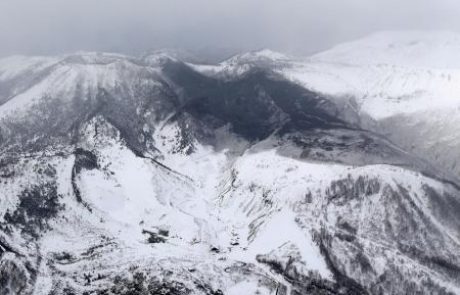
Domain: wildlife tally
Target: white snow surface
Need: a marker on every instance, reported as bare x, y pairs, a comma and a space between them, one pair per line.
246, 205
211, 200
64, 78
414, 49
388, 73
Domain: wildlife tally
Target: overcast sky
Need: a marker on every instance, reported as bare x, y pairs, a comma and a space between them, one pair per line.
133, 26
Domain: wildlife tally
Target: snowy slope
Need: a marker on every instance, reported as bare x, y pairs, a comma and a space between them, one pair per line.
388, 73
159, 176
240, 64
408, 82
80, 74
257, 211
415, 49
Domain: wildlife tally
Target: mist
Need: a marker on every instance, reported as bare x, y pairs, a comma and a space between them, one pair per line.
294, 26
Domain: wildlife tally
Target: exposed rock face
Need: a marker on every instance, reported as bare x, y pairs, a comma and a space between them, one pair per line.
150, 176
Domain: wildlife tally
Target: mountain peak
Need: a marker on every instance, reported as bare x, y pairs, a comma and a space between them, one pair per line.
262, 55
90, 57
159, 56
421, 49
123, 174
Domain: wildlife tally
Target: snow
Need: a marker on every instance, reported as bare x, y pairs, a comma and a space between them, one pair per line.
415, 49
404, 80
15, 66
247, 287
87, 72
279, 230
240, 64
387, 73
62, 78
132, 194
212, 198
158, 59
381, 90
253, 56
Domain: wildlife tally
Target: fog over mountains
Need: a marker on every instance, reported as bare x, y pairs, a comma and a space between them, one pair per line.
264, 173
51, 27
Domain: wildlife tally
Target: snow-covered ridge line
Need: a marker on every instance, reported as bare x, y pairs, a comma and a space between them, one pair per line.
415, 49
169, 181
431, 49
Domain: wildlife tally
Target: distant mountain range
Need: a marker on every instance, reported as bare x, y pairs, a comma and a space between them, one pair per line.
262, 174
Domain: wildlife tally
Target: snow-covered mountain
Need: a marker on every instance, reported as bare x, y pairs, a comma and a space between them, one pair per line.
264, 174
406, 81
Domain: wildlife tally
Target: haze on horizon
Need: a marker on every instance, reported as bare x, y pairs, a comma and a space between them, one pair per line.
294, 26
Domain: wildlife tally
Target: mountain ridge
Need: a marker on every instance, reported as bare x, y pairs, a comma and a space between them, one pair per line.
158, 176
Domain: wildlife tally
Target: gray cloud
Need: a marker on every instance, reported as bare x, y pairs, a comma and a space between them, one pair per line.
132, 26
